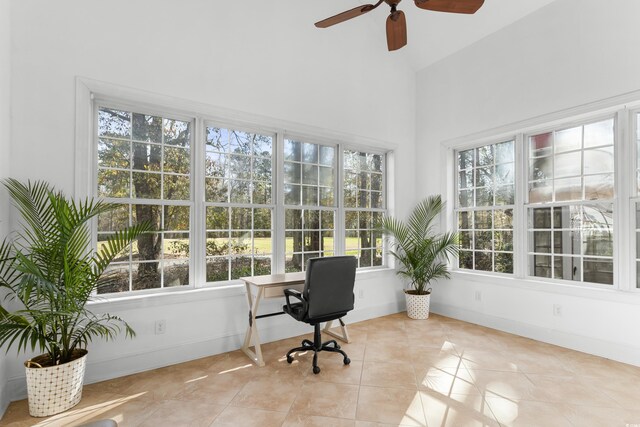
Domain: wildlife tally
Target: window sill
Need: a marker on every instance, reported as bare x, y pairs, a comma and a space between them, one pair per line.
609, 294
230, 289
129, 301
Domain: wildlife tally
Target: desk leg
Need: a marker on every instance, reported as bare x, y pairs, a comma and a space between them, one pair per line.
252, 330
345, 334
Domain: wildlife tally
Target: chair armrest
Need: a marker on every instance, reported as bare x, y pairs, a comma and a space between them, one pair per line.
293, 293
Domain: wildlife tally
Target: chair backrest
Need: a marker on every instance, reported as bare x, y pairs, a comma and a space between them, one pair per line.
328, 287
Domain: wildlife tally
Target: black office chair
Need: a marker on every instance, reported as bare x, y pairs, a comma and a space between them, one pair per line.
327, 295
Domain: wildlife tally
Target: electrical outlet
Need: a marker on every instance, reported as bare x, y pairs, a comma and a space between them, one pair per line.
361, 293
478, 296
161, 326
557, 310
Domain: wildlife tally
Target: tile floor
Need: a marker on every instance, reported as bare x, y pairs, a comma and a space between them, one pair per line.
439, 372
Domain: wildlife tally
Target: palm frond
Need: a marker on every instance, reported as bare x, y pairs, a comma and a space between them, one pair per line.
52, 270
420, 251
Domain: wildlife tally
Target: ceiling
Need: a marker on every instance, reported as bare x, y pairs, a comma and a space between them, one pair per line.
433, 36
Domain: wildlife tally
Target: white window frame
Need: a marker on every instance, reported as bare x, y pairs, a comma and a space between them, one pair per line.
581, 202
91, 93
142, 109
337, 206
201, 196
491, 208
385, 194
623, 108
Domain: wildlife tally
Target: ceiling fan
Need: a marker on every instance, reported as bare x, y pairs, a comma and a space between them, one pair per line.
396, 22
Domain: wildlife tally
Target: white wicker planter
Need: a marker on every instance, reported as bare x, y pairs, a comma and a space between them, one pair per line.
54, 389
418, 306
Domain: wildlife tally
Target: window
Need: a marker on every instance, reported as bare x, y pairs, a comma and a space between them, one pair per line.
309, 198
485, 202
144, 165
364, 206
570, 210
239, 202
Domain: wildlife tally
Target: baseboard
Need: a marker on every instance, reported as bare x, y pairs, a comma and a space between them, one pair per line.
132, 363
611, 350
4, 399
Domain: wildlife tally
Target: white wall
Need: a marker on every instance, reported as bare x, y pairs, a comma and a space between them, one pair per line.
570, 53
258, 57
5, 136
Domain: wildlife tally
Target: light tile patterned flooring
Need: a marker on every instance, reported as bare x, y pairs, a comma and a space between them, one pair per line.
439, 372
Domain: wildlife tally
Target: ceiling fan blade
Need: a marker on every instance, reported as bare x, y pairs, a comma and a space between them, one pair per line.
346, 15
452, 6
396, 30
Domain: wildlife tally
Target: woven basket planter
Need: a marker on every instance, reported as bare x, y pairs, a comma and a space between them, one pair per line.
54, 389
418, 306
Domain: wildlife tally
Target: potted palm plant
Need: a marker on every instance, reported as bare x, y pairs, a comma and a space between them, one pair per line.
421, 252
49, 271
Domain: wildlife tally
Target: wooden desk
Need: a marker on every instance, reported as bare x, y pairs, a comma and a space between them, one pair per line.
273, 286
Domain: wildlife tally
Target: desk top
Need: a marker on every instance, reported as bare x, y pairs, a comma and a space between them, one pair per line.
276, 279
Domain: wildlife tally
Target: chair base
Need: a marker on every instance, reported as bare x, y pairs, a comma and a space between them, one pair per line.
317, 346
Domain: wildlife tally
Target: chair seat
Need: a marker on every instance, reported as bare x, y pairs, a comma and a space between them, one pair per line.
296, 311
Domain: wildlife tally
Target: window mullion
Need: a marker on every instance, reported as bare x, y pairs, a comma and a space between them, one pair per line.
278, 238
520, 229
623, 260
339, 227
198, 212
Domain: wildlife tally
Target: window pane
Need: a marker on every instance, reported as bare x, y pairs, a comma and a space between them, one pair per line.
597, 134
217, 140
598, 160
310, 174
262, 145
113, 183
540, 265
147, 157
176, 132
540, 145
292, 150
504, 263
465, 159
505, 152
597, 187
114, 123
114, 153
483, 261
239, 167
240, 142
568, 140
465, 260
310, 153
568, 189
484, 155
217, 269
147, 128
568, 164
598, 271
327, 155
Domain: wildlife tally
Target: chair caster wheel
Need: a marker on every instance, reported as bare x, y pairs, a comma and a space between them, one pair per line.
346, 360
289, 359
316, 369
